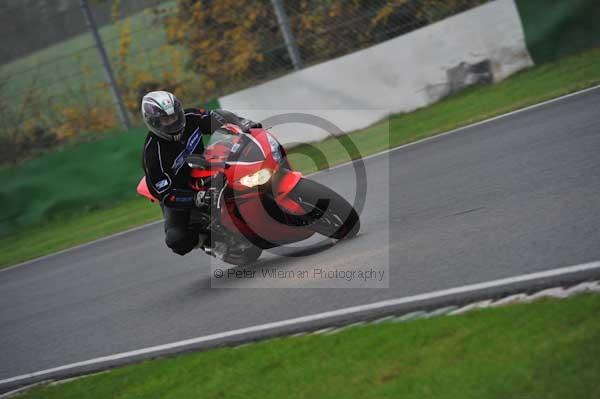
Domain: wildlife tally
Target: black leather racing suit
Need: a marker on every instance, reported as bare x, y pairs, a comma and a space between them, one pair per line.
167, 173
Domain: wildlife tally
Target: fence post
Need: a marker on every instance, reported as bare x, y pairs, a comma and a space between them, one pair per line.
89, 18
288, 35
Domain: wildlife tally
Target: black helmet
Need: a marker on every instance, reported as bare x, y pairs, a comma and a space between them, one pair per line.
163, 114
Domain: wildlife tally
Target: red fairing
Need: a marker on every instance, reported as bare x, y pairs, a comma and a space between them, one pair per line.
197, 177
200, 173
255, 221
233, 128
287, 184
142, 189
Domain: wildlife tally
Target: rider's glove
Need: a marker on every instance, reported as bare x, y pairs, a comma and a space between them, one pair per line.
247, 124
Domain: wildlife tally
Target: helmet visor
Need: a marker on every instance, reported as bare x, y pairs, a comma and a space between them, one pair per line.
172, 124
168, 120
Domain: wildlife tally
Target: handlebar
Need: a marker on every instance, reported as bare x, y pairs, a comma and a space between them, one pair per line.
199, 162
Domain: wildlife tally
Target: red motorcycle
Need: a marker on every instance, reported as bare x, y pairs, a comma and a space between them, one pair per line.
263, 203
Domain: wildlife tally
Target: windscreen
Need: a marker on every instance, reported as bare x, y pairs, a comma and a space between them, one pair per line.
224, 146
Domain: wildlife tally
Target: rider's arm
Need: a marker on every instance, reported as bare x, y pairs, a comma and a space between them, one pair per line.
159, 179
209, 121
158, 176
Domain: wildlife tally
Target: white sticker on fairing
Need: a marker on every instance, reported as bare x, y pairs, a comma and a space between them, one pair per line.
161, 184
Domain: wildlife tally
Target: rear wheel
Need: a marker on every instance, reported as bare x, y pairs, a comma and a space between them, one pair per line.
327, 212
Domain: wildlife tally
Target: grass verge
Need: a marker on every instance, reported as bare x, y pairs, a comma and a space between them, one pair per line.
547, 349
528, 87
62, 233
555, 28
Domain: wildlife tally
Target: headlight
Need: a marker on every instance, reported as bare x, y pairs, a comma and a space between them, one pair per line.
256, 179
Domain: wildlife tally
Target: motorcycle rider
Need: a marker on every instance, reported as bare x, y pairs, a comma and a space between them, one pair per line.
175, 133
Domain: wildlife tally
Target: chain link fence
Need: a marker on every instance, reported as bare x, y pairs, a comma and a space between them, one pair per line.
199, 49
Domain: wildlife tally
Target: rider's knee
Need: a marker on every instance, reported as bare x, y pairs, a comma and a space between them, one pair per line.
180, 241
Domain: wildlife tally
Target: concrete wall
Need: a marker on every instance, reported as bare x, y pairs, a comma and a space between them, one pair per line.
399, 75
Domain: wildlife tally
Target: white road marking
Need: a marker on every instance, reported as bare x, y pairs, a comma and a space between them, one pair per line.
314, 317
437, 136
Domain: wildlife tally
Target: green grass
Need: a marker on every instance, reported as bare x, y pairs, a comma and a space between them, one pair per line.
555, 28
73, 179
549, 349
104, 174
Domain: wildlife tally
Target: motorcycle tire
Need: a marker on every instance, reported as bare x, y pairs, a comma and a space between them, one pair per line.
327, 212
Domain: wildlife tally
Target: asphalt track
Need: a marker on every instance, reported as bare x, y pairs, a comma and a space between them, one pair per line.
515, 195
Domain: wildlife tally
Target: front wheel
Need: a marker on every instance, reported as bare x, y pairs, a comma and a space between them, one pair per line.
327, 212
